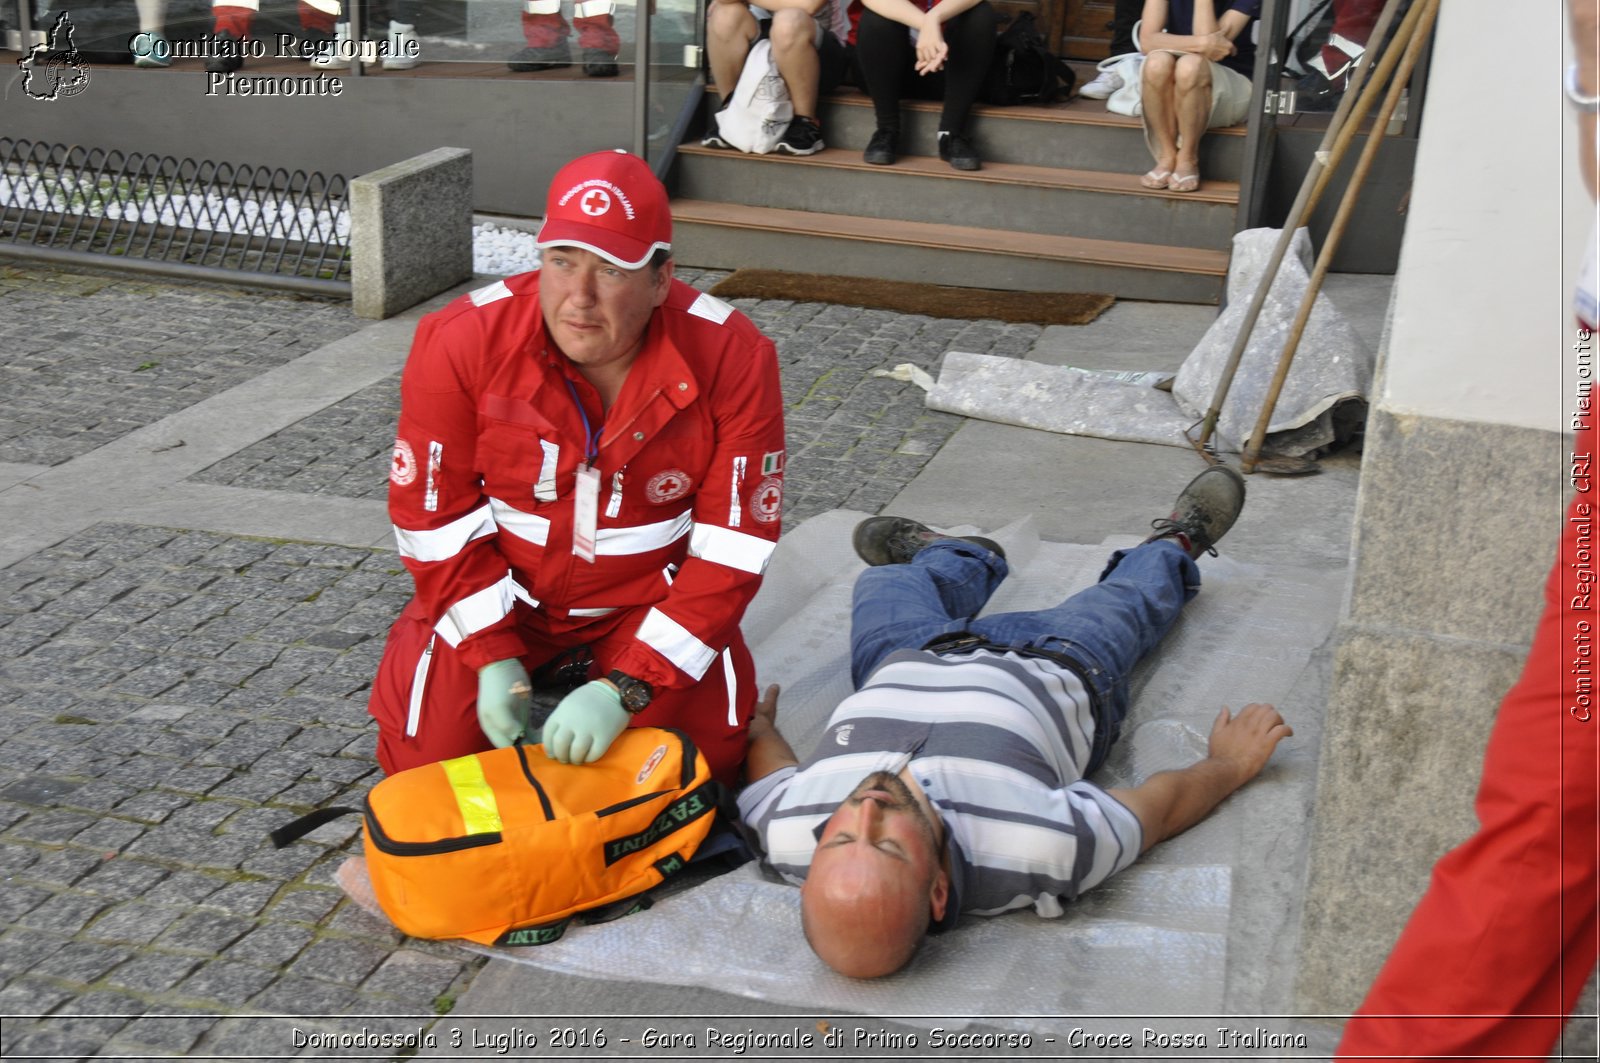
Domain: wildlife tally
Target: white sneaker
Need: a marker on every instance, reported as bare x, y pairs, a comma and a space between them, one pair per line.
1103, 86
403, 47
335, 54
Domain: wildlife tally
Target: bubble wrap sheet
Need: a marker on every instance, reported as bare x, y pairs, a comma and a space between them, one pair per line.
1150, 940
1331, 366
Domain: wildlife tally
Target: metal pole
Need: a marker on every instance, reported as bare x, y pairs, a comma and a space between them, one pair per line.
181, 270
352, 14
1419, 37
1347, 116
641, 77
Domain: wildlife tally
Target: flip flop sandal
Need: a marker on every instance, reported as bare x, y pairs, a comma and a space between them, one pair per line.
1155, 179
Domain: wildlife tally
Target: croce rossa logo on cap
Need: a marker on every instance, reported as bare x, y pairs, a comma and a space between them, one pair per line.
596, 197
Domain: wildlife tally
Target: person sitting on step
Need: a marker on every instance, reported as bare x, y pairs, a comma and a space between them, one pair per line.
927, 49
1199, 59
807, 46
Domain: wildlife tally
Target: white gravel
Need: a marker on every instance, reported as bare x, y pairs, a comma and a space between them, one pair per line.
502, 252
495, 250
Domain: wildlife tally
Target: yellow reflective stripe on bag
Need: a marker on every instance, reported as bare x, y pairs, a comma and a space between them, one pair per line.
474, 796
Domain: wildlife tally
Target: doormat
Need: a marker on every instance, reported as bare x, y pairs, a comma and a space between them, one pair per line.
907, 297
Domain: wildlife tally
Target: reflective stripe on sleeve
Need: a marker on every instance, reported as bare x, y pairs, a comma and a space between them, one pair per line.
251, 5
643, 538
731, 680
439, 544
542, 7
480, 812
529, 527
477, 611
328, 7
737, 550
674, 642
491, 293
545, 489
711, 308
591, 8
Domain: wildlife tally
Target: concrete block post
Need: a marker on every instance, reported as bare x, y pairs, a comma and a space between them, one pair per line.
410, 231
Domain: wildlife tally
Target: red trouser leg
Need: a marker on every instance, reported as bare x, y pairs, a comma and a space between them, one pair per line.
1502, 942
597, 31
544, 31
445, 692
317, 20
227, 18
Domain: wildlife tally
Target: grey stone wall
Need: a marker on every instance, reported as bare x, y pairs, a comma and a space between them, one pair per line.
1456, 529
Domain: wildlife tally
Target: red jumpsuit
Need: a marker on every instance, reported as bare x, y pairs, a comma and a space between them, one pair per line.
1499, 947
491, 435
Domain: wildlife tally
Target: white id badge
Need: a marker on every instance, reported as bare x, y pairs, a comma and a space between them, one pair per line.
585, 511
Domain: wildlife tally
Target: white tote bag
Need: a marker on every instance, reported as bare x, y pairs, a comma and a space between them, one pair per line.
759, 110
1128, 99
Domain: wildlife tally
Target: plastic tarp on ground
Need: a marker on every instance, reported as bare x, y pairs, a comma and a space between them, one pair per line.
1331, 371
1152, 939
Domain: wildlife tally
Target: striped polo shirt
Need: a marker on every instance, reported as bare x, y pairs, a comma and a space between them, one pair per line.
998, 743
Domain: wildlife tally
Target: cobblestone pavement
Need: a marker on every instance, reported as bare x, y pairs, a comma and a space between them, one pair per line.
94, 357
169, 695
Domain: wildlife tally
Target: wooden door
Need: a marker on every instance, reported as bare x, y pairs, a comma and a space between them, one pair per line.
1083, 30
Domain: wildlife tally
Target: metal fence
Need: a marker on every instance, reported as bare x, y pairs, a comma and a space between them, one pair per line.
255, 225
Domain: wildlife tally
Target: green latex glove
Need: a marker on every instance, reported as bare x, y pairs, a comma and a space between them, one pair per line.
504, 698
585, 724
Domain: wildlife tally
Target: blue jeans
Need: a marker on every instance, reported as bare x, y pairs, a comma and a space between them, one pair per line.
1106, 629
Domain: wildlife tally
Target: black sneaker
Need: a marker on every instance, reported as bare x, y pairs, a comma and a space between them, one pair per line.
896, 540
803, 137
881, 149
531, 60
1205, 510
713, 137
229, 54
958, 151
599, 63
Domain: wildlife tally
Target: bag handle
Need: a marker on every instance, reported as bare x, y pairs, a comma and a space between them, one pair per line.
299, 828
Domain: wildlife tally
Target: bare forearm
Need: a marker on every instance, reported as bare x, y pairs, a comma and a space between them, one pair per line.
1153, 37
946, 10
902, 11
1170, 802
768, 752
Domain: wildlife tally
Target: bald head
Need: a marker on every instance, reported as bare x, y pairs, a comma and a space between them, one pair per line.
876, 881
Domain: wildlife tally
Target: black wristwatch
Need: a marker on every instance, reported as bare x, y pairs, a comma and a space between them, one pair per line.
636, 693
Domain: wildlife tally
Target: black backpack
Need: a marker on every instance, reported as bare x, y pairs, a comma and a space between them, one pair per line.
1023, 69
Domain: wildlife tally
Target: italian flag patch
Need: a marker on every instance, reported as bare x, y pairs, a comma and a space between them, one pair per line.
771, 462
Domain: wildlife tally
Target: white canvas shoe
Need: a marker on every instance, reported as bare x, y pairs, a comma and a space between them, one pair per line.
1101, 88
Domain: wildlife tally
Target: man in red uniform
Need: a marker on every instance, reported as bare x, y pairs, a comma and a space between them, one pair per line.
590, 454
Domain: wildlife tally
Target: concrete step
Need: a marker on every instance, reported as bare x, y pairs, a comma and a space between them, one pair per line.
1050, 200
728, 235
1079, 135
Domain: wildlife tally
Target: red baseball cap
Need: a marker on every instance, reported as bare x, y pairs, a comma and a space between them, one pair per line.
610, 203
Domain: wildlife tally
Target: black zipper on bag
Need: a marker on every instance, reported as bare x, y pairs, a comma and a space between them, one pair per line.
527, 772
444, 845
611, 810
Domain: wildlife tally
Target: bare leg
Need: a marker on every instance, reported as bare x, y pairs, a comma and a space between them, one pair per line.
1158, 93
1193, 83
794, 50
730, 31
